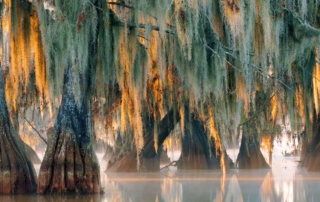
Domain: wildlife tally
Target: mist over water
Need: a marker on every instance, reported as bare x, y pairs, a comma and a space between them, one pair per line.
284, 182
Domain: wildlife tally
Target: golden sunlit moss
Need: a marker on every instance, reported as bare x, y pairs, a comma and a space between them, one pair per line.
213, 132
316, 86
242, 92
182, 120
19, 65
300, 102
37, 55
274, 107
26, 54
234, 15
267, 144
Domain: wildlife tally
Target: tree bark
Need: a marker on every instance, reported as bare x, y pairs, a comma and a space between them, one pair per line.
198, 152
312, 158
149, 158
250, 156
70, 163
17, 174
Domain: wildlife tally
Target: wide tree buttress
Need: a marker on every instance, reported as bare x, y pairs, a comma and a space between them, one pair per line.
17, 174
70, 163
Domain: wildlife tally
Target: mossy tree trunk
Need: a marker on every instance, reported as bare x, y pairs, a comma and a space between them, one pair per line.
312, 153
70, 163
250, 156
149, 158
198, 152
305, 151
17, 174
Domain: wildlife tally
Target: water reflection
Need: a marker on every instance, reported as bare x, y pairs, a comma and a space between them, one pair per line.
238, 185
234, 192
278, 184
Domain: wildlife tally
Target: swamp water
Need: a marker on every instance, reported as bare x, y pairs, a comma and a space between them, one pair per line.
284, 182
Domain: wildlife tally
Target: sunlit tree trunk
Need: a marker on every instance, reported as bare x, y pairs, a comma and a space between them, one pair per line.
17, 174
70, 163
250, 156
149, 157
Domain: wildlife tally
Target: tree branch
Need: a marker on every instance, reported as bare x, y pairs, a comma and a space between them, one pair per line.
120, 4
34, 128
142, 26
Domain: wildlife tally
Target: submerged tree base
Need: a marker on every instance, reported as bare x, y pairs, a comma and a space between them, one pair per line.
129, 164
149, 159
70, 164
250, 156
68, 168
197, 151
17, 174
313, 160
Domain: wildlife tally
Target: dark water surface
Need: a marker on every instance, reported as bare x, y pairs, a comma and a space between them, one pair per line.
284, 182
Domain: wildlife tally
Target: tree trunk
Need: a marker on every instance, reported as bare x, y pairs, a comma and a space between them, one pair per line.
305, 151
310, 152
149, 158
70, 163
17, 174
197, 151
312, 158
250, 156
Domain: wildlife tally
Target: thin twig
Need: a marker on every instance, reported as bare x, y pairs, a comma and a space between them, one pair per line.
142, 26
169, 165
120, 4
34, 128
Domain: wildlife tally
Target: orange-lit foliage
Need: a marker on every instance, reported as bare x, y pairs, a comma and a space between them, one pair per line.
300, 102
233, 13
266, 143
274, 107
26, 54
37, 54
242, 92
213, 132
316, 86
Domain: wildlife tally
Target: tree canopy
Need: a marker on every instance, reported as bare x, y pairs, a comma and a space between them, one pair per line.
229, 62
